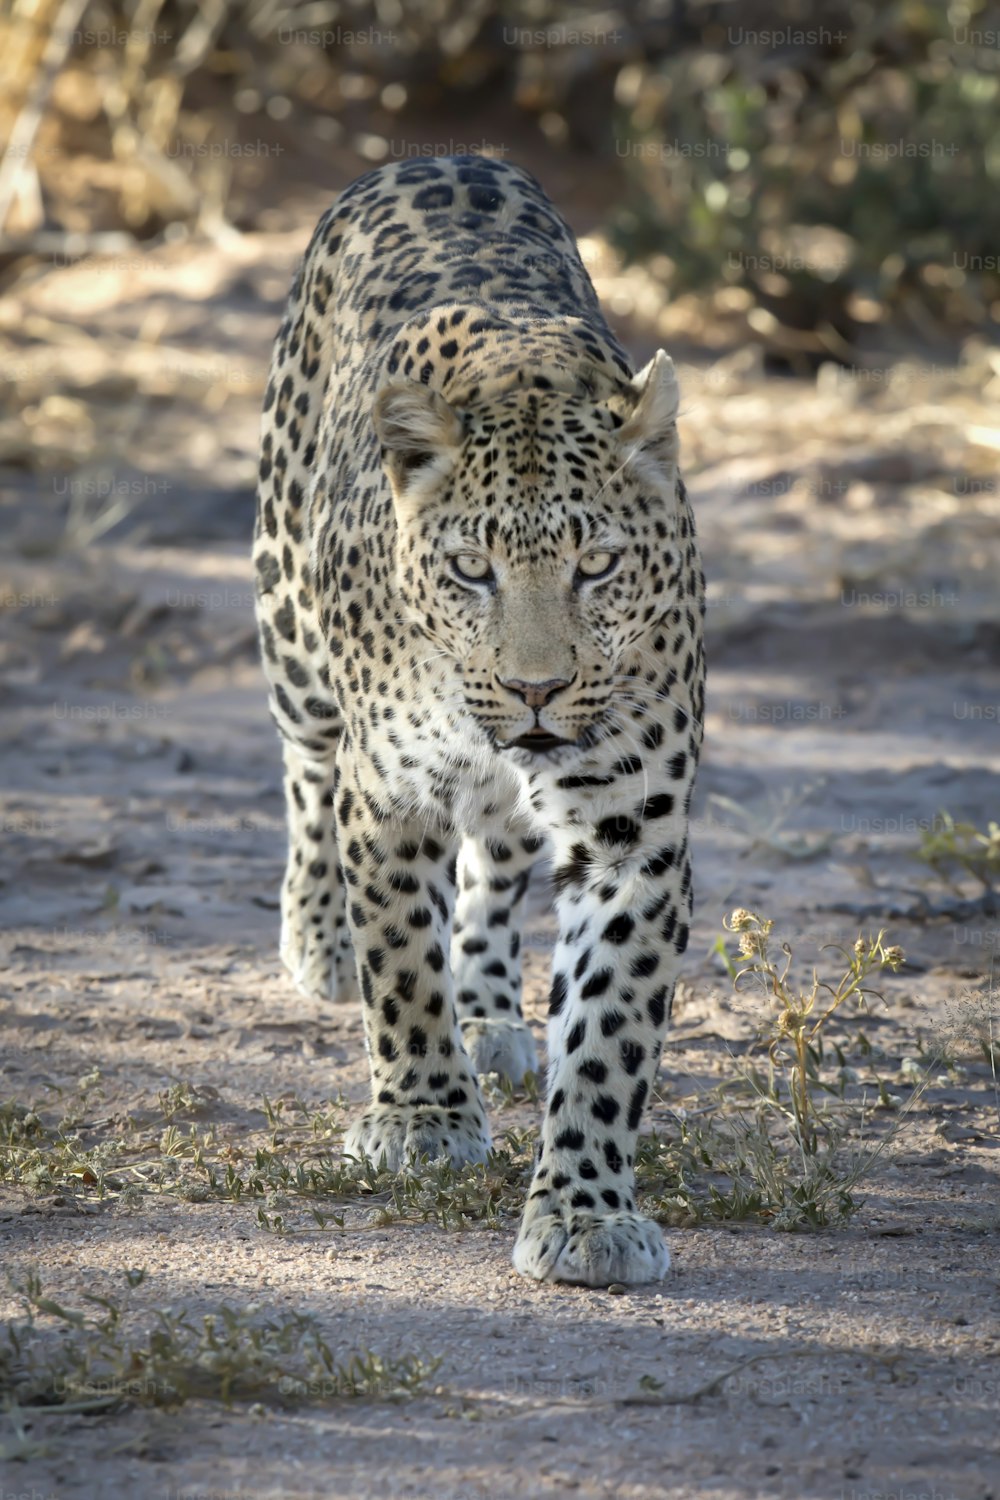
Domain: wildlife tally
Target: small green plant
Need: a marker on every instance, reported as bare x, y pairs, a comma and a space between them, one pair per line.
949, 846
731, 1168
85, 1359
794, 1024
44, 1157
780, 1143
733, 1159
501, 1093
186, 1099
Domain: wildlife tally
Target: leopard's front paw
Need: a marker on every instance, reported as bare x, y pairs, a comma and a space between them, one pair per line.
591, 1249
402, 1133
504, 1047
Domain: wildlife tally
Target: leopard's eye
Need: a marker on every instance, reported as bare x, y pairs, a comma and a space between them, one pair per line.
472, 568
597, 564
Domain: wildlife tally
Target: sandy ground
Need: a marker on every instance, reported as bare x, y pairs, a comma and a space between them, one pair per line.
849, 528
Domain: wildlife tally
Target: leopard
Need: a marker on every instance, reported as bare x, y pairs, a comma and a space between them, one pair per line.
481, 604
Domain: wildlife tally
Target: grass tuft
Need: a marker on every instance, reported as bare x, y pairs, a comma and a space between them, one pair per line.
87, 1360
952, 848
784, 1140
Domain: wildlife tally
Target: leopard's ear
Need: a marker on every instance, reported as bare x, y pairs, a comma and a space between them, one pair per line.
419, 432
652, 424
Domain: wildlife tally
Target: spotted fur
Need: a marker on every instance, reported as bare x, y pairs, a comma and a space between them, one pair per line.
480, 605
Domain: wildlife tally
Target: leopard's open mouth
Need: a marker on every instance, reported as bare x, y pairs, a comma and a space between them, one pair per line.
537, 740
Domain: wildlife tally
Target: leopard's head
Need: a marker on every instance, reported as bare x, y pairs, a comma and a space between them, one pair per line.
537, 544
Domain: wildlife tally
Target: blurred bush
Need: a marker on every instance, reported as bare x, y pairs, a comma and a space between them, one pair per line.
842, 170
830, 168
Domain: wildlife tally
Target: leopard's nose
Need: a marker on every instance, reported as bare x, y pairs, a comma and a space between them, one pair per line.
535, 694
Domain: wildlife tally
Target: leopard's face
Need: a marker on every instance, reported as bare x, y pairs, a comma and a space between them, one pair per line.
536, 549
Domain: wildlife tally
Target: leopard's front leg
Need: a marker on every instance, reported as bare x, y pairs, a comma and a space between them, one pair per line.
486, 952
623, 927
425, 1095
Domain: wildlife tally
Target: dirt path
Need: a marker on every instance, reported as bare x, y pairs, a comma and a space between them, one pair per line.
850, 536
